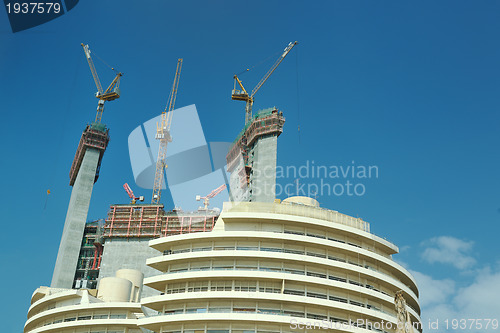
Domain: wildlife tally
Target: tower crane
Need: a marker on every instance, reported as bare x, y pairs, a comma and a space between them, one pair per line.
206, 199
163, 134
242, 95
404, 322
111, 93
131, 194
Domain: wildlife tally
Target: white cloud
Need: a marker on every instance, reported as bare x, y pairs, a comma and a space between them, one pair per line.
441, 300
433, 291
482, 298
449, 250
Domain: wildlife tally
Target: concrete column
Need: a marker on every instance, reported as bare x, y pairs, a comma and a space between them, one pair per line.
74, 225
263, 158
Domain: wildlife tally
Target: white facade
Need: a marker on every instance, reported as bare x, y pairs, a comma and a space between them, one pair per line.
113, 308
277, 267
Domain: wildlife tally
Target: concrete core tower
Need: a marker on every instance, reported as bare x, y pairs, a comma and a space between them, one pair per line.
84, 173
251, 160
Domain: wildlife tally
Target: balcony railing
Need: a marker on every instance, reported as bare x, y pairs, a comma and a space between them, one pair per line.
297, 210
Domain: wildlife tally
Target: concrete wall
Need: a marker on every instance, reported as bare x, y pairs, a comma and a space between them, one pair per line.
74, 225
132, 253
263, 156
238, 193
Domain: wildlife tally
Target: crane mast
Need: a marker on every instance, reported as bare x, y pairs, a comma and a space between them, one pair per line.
111, 93
404, 322
163, 134
242, 95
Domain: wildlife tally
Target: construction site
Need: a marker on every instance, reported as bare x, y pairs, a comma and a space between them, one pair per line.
141, 240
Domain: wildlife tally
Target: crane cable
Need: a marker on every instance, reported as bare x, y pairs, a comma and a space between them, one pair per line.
298, 99
104, 62
260, 63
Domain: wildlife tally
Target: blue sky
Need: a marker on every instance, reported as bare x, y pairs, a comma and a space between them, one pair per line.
411, 88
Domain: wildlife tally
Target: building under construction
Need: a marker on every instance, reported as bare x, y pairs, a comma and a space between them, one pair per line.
121, 240
263, 265
251, 160
83, 174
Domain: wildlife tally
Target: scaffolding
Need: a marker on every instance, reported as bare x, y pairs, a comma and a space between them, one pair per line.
151, 221
265, 123
94, 136
134, 221
89, 259
186, 223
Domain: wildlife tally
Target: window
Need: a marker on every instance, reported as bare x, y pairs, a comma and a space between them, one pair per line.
336, 259
178, 268
247, 246
270, 287
336, 278
224, 264
196, 310
316, 274
246, 264
316, 295
197, 286
221, 285
294, 314
88, 317
100, 316
117, 316
269, 311
316, 316
249, 286
314, 254
338, 299
219, 309
356, 303
355, 283
294, 292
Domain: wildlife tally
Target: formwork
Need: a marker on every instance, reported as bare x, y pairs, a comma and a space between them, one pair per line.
94, 136
265, 123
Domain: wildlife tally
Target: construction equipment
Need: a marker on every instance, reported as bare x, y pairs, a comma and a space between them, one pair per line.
206, 199
163, 134
111, 93
131, 194
242, 95
404, 322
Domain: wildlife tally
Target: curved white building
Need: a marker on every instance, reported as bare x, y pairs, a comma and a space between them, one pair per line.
114, 308
278, 267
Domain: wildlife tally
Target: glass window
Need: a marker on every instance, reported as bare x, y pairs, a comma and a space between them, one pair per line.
85, 317
118, 316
